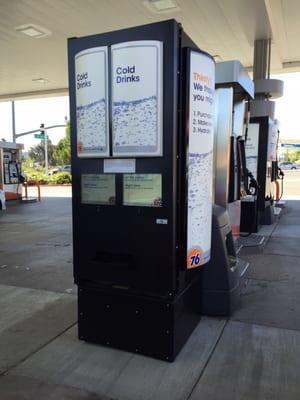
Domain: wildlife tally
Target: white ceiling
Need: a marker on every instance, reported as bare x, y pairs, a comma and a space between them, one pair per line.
226, 28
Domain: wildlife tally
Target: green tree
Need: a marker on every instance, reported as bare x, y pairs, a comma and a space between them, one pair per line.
63, 148
294, 155
37, 153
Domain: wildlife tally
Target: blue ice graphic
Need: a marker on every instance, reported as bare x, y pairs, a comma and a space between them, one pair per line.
199, 197
135, 122
91, 126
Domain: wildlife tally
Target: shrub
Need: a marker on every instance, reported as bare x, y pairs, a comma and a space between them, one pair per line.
36, 176
60, 178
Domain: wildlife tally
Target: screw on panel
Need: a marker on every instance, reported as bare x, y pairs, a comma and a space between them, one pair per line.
81, 314
136, 311
107, 343
167, 332
167, 358
168, 305
136, 350
107, 306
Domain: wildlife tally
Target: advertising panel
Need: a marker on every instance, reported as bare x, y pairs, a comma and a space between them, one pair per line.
200, 158
272, 142
251, 148
91, 81
98, 189
142, 190
137, 98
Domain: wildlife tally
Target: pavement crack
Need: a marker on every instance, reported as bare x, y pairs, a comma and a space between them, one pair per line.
253, 323
208, 360
282, 255
7, 370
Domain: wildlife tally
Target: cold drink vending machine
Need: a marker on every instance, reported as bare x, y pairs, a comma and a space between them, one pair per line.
141, 102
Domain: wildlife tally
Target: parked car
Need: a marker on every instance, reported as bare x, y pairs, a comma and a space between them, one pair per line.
54, 170
66, 168
60, 168
288, 165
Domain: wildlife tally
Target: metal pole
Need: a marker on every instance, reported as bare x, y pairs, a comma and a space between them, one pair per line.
46, 153
269, 57
39, 130
13, 118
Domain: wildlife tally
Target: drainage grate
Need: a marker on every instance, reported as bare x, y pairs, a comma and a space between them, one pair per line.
252, 241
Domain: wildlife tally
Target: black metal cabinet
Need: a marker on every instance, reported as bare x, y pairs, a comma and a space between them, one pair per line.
130, 262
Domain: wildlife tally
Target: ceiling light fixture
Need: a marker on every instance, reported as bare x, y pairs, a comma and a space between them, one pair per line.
33, 31
40, 80
160, 6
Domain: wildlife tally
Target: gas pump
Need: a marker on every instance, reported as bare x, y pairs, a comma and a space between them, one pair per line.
141, 106
261, 155
10, 170
235, 89
258, 209
221, 280
279, 174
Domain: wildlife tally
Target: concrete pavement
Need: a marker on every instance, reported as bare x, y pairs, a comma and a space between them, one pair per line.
254, 355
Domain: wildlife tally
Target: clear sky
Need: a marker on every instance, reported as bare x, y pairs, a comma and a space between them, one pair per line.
287, 107
51, 111
30, 114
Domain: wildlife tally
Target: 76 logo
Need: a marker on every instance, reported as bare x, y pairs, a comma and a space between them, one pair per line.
194, 258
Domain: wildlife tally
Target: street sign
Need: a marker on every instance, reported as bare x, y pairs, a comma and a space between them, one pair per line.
291, 145
40, 136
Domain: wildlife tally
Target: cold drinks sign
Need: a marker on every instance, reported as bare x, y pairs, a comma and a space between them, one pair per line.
92, 102
200, 157
136, 100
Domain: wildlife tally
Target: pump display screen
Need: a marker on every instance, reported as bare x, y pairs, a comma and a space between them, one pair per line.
142, 190
98, 189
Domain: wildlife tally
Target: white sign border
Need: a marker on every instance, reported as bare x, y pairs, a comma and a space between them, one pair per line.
84, 52
159, 46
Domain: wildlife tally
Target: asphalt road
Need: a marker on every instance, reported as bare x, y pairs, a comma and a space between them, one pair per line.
291, 183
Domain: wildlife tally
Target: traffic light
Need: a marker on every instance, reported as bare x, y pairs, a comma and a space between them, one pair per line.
42, 129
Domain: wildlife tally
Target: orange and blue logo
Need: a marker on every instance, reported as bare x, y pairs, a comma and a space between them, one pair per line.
194, 258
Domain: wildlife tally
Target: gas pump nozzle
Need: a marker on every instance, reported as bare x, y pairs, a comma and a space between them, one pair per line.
253, 186
280, 173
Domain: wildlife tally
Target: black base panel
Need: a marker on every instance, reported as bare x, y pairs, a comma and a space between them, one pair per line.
267, 216
221, 303
249, 217
220, 281
153, 327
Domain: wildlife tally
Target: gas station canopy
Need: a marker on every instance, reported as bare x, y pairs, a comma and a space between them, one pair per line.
33, 34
